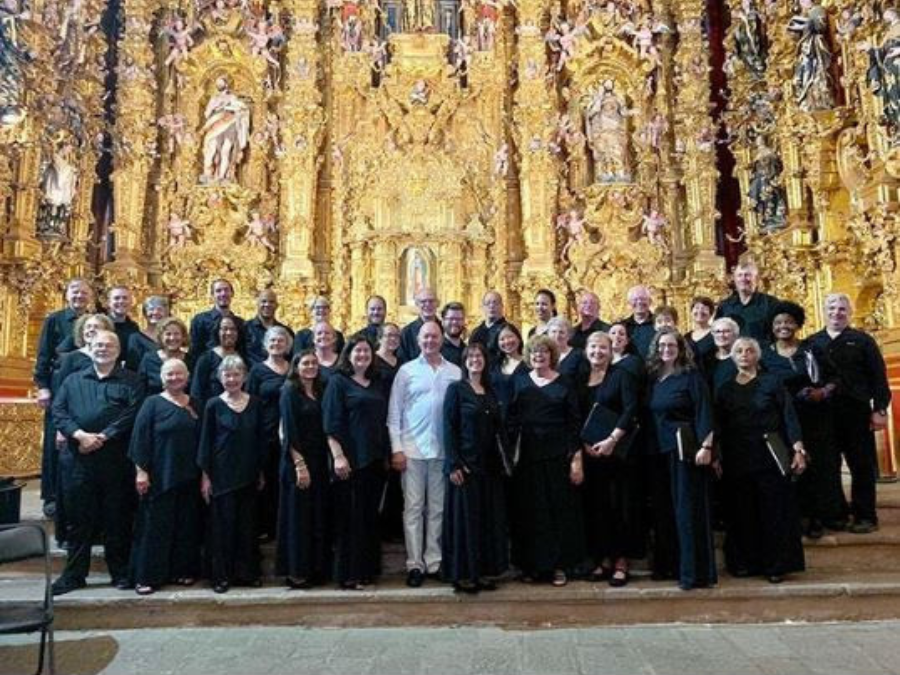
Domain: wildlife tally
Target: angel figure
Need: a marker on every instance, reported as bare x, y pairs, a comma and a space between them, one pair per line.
653, 226
258, 230
377, 51
175, 127
352, 33
419, 93
180, 41
848, 23
259, 39
572, 226
562, 40
501, 161
180, 232
462, 55
654, 130
644, 35
813, 87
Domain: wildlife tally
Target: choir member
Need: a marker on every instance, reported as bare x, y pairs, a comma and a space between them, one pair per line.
320, 310
475, 538
544, 310
589, 320
489, 329
700, 339
860, 403
56, 329
164, 451
747, 305
231, 459
376, 315
678, 400
265, 382
427, 304
328, 352
386, 366
764, 527
665, 317
95, 410
571, 361
611, 479
548, 535
205, 325
256, 328
155, 309
304, 546
387, 363
119, 302
355, 422
639, 325
453, 317
623, 353
206, 383
509, 365
719, 367
171, 343
810, 380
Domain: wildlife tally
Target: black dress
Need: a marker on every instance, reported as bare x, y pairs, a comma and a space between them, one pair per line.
232, 456
547, 527
138, 345
819, 491
504, 385
475, 536
205, 384
304, 523
391, 520
612, 485
167, 529
266, 385
764, 527
701, 347
150, 371
575, 367
356, 416
683, 399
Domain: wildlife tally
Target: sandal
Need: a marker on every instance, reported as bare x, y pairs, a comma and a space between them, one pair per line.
559, 579
142, 589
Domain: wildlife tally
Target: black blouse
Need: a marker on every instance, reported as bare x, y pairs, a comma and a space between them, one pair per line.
266, 384
230, 450
386, 374
138, 345
303, 431
164, 443
205, 383
150, 372
575, 367
504, 385
357, 417
472, 430
548, 419
617, 392
69, 362
677, 400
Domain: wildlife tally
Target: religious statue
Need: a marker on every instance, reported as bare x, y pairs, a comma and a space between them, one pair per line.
226, 131
749, 39
486, 23
654, 130
501, 161
606, 122
175, 126
562, 40
812, 72
644, 36
572, 225
653, 226
180, 232
767, 194
461, 55
416, 276
418, 15
13, 56
351, 28
258, 230
58, 187
180, 41
884, 71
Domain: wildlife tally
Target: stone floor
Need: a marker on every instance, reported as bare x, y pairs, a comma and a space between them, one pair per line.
782, 649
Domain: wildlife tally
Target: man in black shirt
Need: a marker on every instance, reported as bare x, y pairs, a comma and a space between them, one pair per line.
453, 316
640, 325
589, 320
320, 310
860, 403
748, 306
255, 329
427, 302
95, 411
203, 325
488, 331
119, 302
376, 313
56, 330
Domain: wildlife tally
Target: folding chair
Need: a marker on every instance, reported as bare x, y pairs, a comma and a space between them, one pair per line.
24, 542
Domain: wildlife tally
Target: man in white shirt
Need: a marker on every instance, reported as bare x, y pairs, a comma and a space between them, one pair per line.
415, 423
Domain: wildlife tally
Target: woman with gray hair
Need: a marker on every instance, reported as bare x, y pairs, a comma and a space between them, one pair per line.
761, 450
155, 309
231, 458
718, 366
571, 362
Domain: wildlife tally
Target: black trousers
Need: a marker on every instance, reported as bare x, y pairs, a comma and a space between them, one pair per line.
357, 548
49, 460
98, 495
167, 536
857, 443
233, 550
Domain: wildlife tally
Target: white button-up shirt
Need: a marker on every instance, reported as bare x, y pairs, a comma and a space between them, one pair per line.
416, 411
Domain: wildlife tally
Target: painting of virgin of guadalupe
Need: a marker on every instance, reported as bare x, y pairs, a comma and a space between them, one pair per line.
417, 267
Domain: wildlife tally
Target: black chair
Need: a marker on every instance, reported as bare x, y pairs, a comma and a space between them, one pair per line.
25, 542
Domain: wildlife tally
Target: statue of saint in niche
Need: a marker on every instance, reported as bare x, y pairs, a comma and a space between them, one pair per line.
418, 15
884, 71
226, 131
606, 122
767, 194
418, 274
813, 87
750, 39
58, 186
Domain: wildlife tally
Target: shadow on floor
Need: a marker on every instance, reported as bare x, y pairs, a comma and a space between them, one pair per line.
85, 657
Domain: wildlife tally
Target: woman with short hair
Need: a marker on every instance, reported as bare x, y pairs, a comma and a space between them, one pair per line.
700, 339
155, 309
172, 339
571, 362
718, 366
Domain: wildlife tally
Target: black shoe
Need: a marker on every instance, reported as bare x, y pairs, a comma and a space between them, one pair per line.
415, 578
299, 584
815, 530
221, 587
487, 585
863, 526
63, 585
436, 576
775, 578
123, 584
49, 509
835, 525
466, 587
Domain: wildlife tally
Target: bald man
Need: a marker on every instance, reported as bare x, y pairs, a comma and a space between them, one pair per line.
255, 329
427, 304
588, 320
489, 329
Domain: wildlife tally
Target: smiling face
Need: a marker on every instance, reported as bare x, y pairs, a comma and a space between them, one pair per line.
454, 323
668, 349
837, 313
156, 313
745, 279
91, 327
266, 304
78, 295
376, 311
430, 339
427, 303
589, 307
277, 344
475, 362
724, 335
321, 310
640, 302
492, 305
228, 333
173, 338
509, 343
119, 300
222, 294
323, 336
559, 334
390, 338
361, 357
619, 337
104, 348
543, 307
174, 377
701, 314
599, 350
232, 379
784, 327
308, 368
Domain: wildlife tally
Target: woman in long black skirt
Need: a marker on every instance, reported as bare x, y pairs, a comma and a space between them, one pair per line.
265, 382
232, 459
475, 538
612, 476
164, 451
764, 525
355, 413
304, 546
548, 533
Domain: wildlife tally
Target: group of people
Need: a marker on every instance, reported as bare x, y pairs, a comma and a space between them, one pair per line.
567, 453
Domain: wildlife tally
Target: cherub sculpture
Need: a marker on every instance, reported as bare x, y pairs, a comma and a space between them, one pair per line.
258, 230
653, 226
180, 232
572, 225
180, 38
